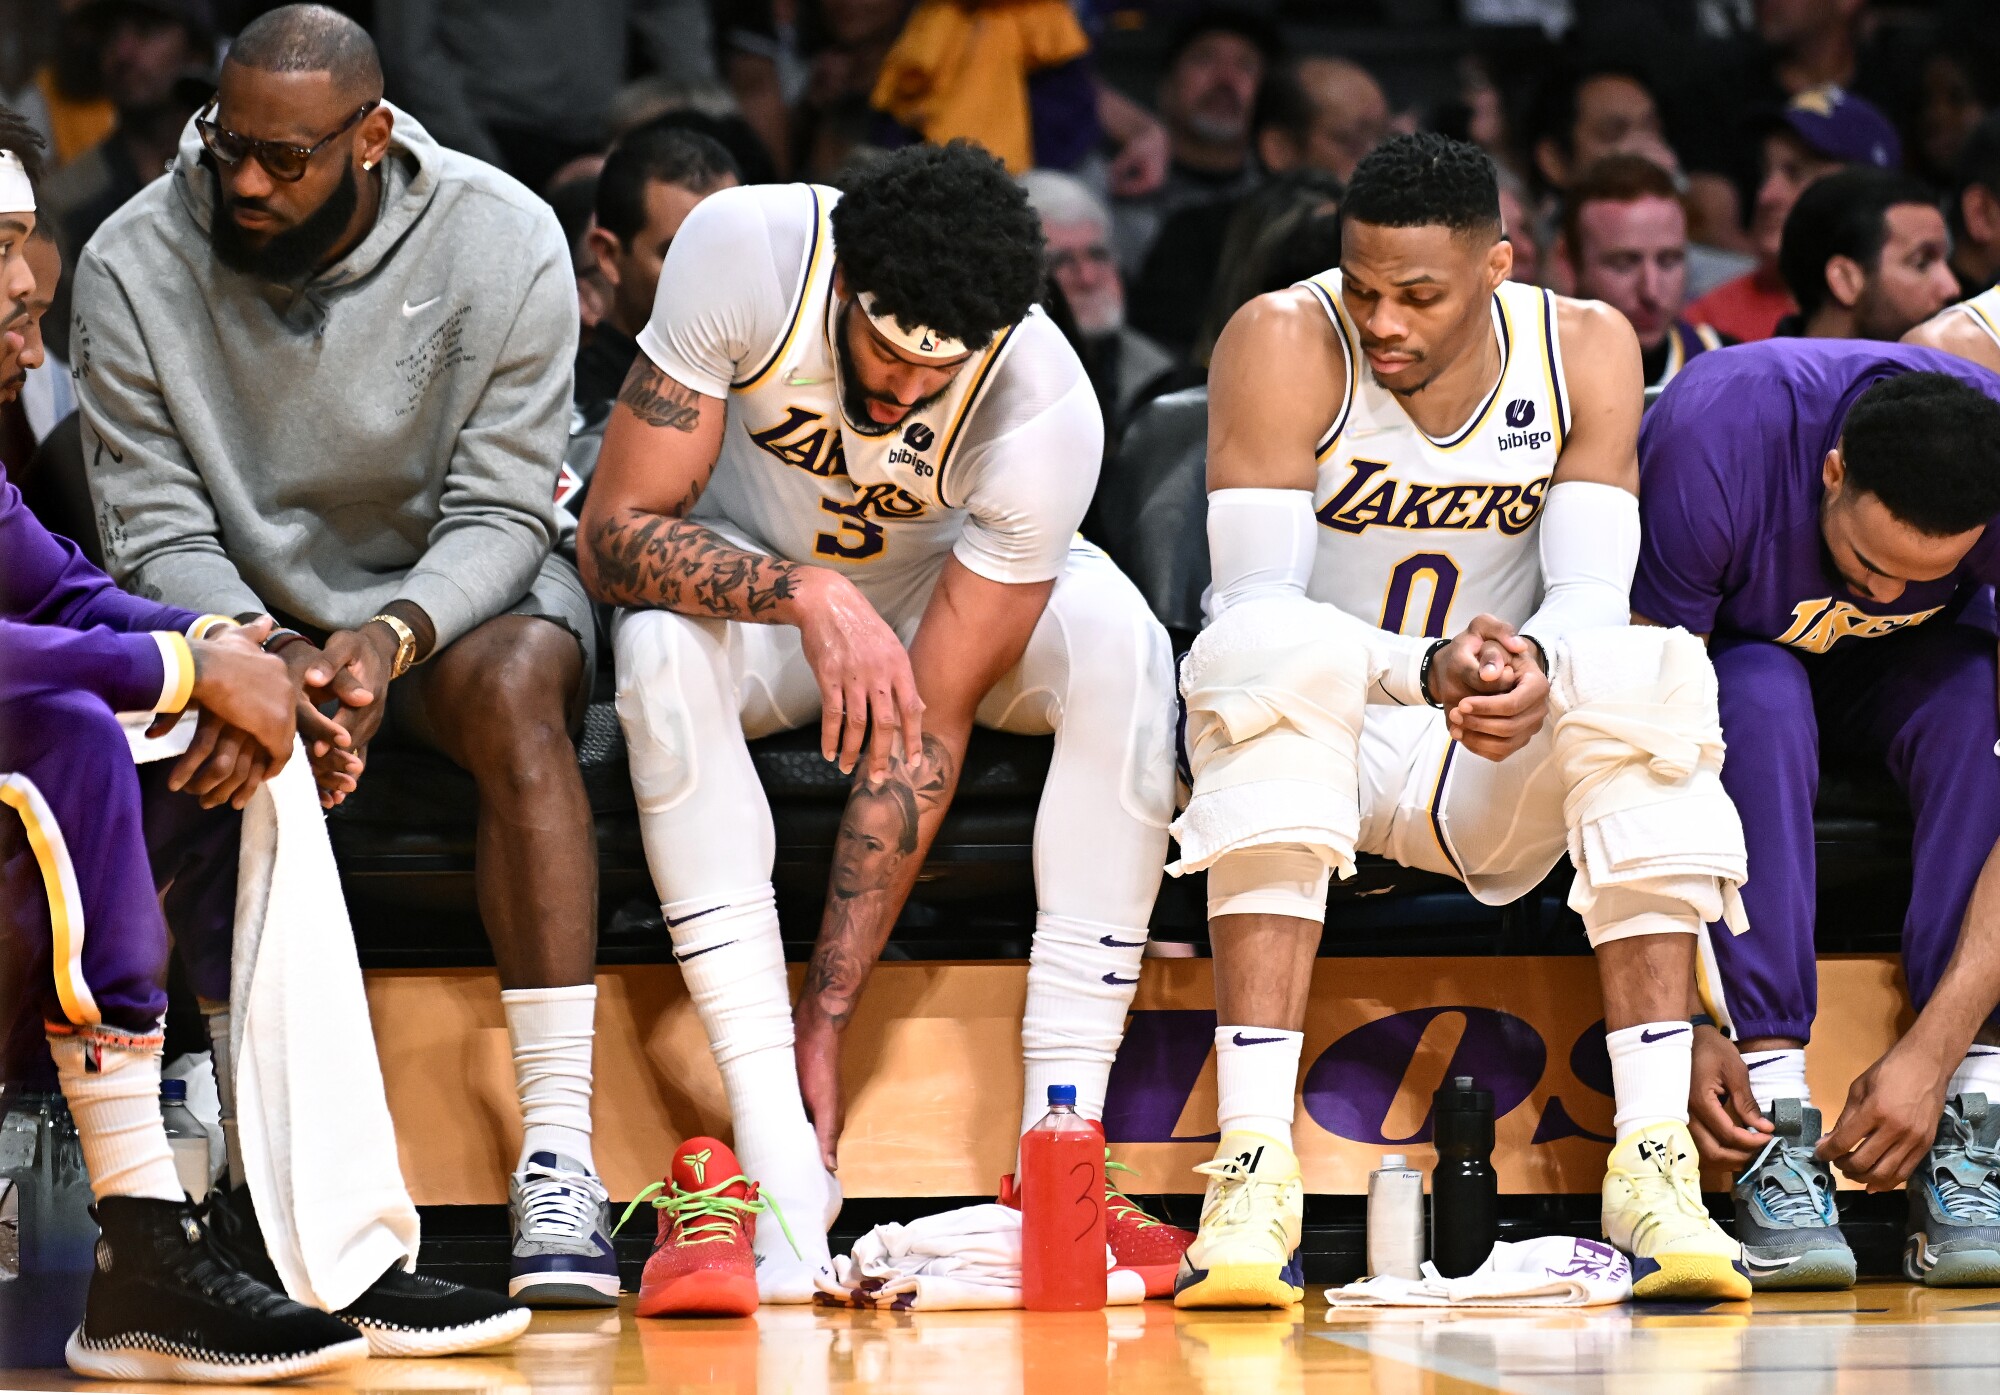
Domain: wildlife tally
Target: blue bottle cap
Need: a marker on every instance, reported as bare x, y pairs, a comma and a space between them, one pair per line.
174, 1090
1063, 1095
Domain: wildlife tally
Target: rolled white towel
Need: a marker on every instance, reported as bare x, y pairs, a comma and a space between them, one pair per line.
1553, 1271
1275, 692
967, 1258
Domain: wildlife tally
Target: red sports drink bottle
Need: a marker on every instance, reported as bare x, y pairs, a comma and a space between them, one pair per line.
1062, 1210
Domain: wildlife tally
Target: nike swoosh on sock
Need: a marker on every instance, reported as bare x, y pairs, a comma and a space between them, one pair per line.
1115, 979
1240, 1040
697, 953
1119, 944
1650, 1037
695, 915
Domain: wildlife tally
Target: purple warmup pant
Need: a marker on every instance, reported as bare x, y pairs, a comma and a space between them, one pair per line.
88, 842
1923, 703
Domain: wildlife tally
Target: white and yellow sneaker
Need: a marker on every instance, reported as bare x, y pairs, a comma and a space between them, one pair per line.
1653, 1212
1247, 1254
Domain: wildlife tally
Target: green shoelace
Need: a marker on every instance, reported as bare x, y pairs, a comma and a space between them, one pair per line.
1121, 1205
706, 1215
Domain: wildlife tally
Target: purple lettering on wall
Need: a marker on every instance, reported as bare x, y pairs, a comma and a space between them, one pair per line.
1351, 1088
1158, 1064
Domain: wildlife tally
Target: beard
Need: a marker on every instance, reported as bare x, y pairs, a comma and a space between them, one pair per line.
294, 253
854, 396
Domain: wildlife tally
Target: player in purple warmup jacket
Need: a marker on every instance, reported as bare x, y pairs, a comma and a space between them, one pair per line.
1821, 511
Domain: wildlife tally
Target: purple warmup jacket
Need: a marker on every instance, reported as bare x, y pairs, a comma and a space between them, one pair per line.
65, 626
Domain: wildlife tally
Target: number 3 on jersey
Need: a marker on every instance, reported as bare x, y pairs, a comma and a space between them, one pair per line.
1432, 569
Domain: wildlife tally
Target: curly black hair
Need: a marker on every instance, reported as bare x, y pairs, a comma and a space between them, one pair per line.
943, 238
1928, 446
1422, 180
18, 136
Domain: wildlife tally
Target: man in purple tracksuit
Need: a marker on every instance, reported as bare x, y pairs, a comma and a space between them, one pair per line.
1820, 509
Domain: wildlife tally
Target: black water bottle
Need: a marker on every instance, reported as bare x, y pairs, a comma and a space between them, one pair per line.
1465, 1194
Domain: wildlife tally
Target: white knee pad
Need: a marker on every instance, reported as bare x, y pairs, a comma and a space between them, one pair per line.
1657, 843
1269, 880
1276, 689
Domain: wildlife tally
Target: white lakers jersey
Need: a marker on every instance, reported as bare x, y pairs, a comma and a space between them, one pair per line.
1418, 534
1984, 310
998, 469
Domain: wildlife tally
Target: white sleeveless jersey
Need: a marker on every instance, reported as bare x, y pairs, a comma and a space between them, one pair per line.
1984, 310
997, 470
1419, 534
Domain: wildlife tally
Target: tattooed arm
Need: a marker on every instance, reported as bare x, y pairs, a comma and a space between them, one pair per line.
637, 547
973, 632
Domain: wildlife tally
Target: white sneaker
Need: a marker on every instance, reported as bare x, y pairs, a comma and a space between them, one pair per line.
1247, 1253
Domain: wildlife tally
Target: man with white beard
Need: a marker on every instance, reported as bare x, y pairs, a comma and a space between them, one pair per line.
1077, 226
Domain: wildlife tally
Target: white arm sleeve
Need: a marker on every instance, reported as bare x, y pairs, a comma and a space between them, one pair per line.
1028, 488
1261, 544
1590, 549
726, 285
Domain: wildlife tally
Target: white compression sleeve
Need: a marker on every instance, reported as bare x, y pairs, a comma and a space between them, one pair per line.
1589, 549
1261, 544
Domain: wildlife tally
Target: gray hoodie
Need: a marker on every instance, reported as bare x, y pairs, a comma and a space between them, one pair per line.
391, 430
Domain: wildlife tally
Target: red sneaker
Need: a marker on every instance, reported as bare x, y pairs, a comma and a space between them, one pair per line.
702, 1264
1144, 1244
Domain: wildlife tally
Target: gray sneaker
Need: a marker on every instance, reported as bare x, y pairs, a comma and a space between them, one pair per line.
561, 1222
1785, 1216
1955, 1201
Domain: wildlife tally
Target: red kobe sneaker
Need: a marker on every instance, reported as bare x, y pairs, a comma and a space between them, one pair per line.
1144, 1244
702, 1264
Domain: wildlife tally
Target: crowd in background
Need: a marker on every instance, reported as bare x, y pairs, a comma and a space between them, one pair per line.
1718, 170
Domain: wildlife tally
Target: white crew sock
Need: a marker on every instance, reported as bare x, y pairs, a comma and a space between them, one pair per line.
1977, 1074
217, 1022
1081, 978
113, 1091
550, 1029
734, 965
1652, 1067
1778, 1074
1256, 1080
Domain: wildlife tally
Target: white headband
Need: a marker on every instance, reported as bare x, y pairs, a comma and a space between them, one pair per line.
918, 343
17, 195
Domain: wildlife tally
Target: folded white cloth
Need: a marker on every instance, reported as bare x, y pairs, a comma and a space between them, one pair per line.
1640, 746
319, 1148
1275, 692
968, 1258
1553, 1271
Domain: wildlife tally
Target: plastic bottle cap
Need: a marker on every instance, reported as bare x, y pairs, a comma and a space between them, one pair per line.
1461, 1082
175, 1090
1395, 1160
1063, 1094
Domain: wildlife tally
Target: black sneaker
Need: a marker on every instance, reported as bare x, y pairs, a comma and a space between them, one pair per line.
401, 1314
164, 1305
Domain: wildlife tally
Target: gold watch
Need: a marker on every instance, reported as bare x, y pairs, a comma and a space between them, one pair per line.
406, 644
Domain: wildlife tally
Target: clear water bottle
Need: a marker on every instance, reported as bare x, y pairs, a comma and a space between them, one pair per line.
187, 1138
1063, 1264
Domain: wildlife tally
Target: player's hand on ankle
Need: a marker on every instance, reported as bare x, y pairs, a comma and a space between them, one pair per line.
1891, 1116
818, 1054
245, 688
868, 695
1728, 1127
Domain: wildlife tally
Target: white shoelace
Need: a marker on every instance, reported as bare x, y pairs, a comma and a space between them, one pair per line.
560, 1204
1233, 1198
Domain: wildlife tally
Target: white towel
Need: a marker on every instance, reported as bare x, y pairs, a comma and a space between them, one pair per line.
1551, 1272
319, 1148
968, 1258
1640, 746
1275, 691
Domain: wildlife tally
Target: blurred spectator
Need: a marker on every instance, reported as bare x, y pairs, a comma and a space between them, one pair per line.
1077, 226
525, 84
1816, 133
1283, 234
1338, 115
574, 198
1625, 239
1321, 114
1517, 230
1810, 43
1974, 210
1214, 64
155, 61
1959, 86
652, 180
1864, 256
1011, 76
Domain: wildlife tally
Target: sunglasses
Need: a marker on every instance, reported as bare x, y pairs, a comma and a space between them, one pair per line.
279, 159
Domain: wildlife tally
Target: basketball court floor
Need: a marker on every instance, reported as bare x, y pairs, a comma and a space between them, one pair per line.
1889, 1337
